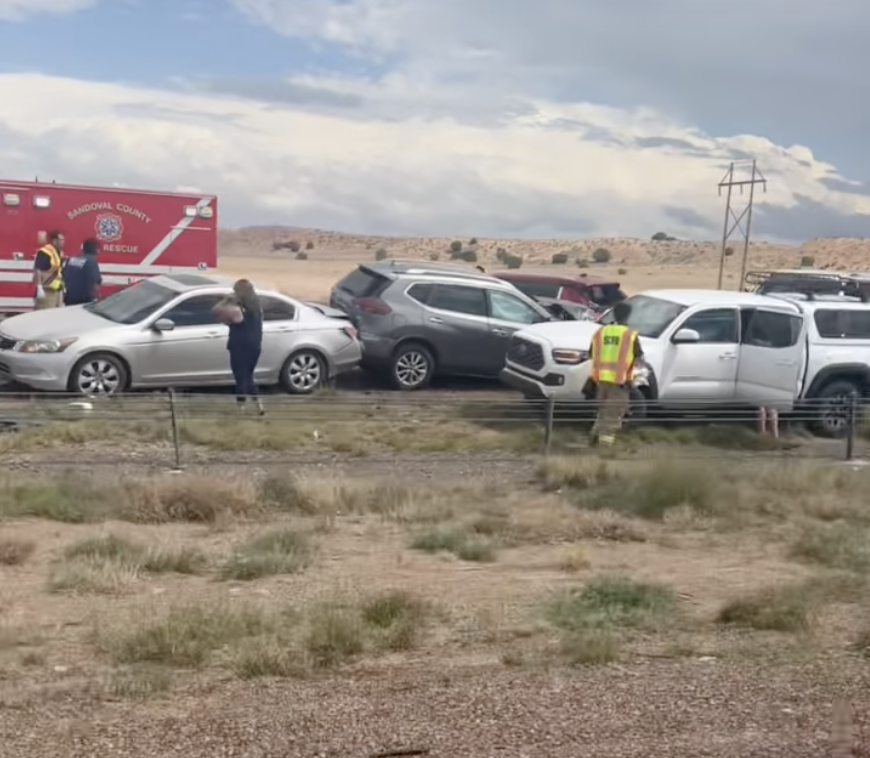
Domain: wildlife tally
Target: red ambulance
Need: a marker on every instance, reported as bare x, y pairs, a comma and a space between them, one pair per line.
141, 233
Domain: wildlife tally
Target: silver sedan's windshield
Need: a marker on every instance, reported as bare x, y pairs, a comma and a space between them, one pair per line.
650, 316
133, 304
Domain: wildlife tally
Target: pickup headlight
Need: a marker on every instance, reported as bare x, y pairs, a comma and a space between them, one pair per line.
46, 346
570, 357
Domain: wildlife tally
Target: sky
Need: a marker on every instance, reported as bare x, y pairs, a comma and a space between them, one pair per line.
487, 118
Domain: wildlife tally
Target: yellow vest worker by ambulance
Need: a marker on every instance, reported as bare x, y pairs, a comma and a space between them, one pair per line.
48, 273
615, 348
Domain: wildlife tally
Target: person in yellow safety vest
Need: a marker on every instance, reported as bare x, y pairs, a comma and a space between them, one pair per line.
48, 273
615, 349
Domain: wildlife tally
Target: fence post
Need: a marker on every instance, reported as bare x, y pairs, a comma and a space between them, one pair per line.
550, 421
176, 442
853, 426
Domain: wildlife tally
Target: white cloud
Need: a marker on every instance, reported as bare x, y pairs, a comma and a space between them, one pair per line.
19, 10
552, 169
791, 69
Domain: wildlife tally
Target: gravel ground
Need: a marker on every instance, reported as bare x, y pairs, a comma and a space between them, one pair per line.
651, 708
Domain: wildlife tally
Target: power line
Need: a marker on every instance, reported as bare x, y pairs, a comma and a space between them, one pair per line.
733, 221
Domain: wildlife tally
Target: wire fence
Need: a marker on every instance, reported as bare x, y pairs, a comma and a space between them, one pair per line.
179, 428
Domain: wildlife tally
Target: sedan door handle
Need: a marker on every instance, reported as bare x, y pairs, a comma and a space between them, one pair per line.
501, 332
728, 356
786, 363
436, 320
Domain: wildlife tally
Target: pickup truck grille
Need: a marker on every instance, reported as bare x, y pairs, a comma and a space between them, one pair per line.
526, 354
6, 343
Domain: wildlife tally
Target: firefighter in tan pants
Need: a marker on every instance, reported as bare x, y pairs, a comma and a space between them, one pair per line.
48, 272
615, 348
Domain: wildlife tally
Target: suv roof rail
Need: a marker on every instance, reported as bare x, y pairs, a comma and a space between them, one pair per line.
857, 295
472, 275
759, 277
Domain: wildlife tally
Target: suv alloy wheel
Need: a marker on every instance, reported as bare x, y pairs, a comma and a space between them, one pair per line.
412, 367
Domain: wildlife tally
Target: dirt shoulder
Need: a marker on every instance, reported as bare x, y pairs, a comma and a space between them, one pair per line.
498, 604
678, 709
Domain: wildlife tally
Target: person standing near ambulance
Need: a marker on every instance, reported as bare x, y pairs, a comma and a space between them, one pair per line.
615, 350
48, 273
81, 275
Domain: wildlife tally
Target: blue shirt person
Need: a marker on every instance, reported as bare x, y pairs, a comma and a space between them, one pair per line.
243, 313
81, 275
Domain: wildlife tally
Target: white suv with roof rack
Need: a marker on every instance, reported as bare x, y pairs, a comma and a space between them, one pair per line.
709, 348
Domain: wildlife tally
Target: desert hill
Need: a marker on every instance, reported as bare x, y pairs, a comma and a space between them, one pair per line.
838, 253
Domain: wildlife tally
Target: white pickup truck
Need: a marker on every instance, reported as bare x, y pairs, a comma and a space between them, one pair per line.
712, 348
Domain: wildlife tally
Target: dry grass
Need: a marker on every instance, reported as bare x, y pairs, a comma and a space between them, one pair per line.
278, 552
319, 426
837, 545
15, 552
109, 564
184, 636
779, 609
593, 619
465, 545
71, 498
730, 493
615, 545
329, 497
256, 641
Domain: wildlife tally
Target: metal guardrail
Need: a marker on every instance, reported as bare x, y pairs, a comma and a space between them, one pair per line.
729, 428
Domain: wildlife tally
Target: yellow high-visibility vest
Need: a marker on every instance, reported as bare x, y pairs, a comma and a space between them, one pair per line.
613, 354
54, 279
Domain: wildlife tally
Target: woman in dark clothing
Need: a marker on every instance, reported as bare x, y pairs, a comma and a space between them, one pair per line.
244, 316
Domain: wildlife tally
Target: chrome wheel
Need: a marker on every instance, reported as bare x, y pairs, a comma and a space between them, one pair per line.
411, 369
304, 373
99, 377
836, 414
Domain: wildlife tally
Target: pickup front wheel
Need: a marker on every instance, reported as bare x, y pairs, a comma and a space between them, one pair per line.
831, 408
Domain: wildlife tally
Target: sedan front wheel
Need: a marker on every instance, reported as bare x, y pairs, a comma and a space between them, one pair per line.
98, 375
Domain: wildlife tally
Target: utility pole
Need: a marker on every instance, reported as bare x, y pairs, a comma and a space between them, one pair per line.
733, 221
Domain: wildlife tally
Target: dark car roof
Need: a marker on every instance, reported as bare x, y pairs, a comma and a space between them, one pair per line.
592, 281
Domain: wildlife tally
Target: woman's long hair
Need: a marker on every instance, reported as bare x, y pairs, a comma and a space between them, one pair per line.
247, 295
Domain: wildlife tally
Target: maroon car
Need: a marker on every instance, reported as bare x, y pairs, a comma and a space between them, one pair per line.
595, 292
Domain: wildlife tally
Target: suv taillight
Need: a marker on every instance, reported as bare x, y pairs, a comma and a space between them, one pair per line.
372, 305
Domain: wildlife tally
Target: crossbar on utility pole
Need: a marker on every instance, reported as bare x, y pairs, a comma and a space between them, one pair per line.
734, 221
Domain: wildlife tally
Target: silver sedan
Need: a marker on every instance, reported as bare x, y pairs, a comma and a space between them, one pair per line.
161, 332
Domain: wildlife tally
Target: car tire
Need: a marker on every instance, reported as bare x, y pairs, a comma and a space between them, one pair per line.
638, 406
412, 367
304, 372
98, 375
830, 408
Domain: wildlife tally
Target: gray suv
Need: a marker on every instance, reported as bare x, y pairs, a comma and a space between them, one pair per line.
416, 320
